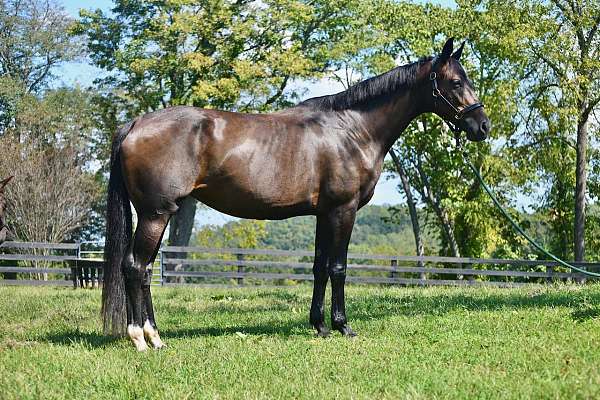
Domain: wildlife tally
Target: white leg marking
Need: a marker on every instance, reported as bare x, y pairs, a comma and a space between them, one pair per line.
137, 337
152, 336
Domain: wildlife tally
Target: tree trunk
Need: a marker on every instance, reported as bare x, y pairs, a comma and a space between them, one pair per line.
412, 209
180, 229
440, 212
580, 189
442, 215
447, 228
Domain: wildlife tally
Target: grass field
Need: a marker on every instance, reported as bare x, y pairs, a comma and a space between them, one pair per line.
252, 343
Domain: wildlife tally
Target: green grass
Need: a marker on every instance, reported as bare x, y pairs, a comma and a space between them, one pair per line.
255, 343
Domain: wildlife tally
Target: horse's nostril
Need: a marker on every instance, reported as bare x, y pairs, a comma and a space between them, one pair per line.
485, 127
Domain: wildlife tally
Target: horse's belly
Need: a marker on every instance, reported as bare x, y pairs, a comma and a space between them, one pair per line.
244, 203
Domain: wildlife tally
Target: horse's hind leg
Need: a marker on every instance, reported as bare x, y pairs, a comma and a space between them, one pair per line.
138, 273
150, 328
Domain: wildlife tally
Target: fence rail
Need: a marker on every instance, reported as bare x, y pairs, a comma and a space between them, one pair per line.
53, 264
80, 265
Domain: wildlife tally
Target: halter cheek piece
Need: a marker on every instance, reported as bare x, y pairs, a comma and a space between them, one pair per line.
459, 115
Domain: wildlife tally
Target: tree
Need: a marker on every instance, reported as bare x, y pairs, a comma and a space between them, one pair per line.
48, 150
567, 44
232, 55
50, 196
34, 39
456, 205
45, 132
412, 207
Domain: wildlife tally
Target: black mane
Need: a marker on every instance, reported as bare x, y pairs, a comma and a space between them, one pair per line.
367, 91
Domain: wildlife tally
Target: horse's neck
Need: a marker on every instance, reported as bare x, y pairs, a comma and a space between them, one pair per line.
386, 121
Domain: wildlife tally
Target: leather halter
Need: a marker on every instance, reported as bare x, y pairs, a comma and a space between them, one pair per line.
459, 115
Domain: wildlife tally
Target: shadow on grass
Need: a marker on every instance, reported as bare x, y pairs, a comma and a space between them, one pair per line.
584, 313
292, 328
68, 338
584, 305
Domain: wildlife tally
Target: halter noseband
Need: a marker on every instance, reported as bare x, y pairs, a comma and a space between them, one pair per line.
459, 115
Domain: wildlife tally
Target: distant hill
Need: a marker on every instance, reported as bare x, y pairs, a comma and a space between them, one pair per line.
372, 233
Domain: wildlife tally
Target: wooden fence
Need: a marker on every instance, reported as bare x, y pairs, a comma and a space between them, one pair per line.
80, 265
196, 265
56, 264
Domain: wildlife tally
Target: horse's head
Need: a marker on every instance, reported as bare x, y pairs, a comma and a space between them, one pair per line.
3, 228
454, 98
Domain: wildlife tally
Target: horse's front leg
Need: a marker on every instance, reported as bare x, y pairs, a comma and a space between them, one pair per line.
322, 246
340, 223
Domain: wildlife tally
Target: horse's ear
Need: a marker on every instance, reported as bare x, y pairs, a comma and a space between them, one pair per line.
4, 182
447, 50
445, 55
458, 52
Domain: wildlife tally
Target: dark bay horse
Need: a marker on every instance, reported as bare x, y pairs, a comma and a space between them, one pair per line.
3, 227
322, 157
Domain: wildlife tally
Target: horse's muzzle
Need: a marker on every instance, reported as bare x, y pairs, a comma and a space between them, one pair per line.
477, 129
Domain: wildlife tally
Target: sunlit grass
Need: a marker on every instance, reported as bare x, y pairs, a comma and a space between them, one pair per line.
253, 343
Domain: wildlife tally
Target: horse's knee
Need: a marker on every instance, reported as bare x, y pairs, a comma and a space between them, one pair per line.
147, 276
134, 275
320, 273
337, 271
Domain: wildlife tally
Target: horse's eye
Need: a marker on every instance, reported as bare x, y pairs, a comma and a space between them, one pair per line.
456, 83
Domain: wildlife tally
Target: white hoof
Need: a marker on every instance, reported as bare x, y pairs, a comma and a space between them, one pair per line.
152, 336
136, 334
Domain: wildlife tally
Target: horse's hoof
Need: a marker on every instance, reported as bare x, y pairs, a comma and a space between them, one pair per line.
140, 346
345, 330
136, 334
151, 334
322, 331
158, 345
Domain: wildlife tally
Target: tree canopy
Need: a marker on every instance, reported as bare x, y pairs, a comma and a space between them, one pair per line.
534, 63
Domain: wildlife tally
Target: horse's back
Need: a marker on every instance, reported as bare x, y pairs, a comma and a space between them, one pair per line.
248, 165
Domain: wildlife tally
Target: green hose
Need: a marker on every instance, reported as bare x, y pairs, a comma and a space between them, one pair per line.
518, 228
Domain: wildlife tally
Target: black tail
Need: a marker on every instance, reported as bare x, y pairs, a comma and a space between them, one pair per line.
118, 239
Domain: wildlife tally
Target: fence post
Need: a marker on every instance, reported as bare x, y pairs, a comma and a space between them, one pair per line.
95, 274
75, 266
550, 272
74, 273
240, 269
421, 264
393, 273
86, 275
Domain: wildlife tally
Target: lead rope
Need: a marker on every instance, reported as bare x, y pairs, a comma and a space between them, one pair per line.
512, 221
